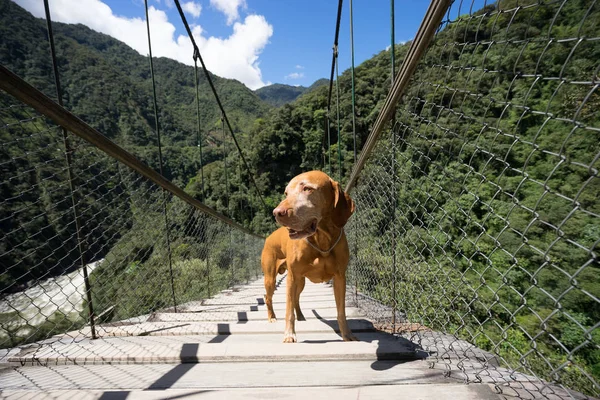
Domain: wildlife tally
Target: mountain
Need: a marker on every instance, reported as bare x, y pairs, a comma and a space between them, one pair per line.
279, 94
318, 83
108, 85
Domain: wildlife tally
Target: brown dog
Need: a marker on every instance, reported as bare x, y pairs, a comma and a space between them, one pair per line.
311, 243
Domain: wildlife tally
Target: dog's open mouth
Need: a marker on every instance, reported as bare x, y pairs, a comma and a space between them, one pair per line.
306, 232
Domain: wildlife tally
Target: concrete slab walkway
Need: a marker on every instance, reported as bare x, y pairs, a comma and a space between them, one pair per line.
224, 347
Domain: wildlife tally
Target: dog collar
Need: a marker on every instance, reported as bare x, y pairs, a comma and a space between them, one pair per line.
331, 248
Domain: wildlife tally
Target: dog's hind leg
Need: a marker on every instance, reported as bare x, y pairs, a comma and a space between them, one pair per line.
269, 267
299, 289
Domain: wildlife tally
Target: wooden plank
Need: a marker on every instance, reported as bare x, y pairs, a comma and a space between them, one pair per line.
421, 392
124, 352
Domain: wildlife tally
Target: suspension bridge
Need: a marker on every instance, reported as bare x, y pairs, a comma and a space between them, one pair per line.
474, 266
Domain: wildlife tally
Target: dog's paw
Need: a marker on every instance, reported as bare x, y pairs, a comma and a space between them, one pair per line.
349, 338
289, 338
272, 319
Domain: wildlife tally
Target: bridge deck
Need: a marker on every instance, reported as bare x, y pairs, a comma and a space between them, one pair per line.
225, 348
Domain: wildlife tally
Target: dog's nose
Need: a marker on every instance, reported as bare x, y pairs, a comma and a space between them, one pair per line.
280, 212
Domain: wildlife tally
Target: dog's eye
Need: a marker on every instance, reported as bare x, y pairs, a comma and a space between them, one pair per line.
308, 189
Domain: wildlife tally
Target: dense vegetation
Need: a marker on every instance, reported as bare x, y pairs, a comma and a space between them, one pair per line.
496, 222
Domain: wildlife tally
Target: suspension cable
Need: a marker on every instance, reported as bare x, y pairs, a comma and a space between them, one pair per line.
333, 68
333, 58
214, 90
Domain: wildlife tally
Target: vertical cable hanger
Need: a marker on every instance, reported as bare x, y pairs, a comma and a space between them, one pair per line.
218, 100
394, 175
339, 131
160, 158
199, 132
333, 68
354, 223
225, 166
69, 161
352, 78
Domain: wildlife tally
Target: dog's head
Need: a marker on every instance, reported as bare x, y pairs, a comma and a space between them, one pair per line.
312, 198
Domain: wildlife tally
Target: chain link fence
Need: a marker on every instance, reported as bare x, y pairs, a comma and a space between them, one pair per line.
132, 252
478, 221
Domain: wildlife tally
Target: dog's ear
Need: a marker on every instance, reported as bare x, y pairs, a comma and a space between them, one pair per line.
343, 206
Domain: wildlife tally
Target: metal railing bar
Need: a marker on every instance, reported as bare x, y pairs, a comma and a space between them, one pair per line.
24, 92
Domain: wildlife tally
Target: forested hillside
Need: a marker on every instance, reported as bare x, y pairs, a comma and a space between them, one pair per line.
108, 85
279, 94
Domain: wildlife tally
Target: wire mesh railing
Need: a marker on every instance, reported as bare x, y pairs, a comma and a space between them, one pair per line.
478, 221
126, 252
93, 239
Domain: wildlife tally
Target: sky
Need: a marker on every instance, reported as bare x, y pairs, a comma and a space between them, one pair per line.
258, 42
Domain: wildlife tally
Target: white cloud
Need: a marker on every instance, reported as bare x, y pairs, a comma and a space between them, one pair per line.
235, 57
193, 8
229, 8
299, 66
295, 75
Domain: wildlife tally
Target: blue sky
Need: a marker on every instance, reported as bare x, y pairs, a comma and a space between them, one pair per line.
255, 41
303, 31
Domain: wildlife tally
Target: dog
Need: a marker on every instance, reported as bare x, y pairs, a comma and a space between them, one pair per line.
311, 243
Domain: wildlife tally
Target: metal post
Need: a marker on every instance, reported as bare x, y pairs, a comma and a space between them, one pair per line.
355, 247
393, 186
68, 159
160, 159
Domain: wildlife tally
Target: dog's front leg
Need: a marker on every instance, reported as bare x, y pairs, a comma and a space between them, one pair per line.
289, 335
339, 290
